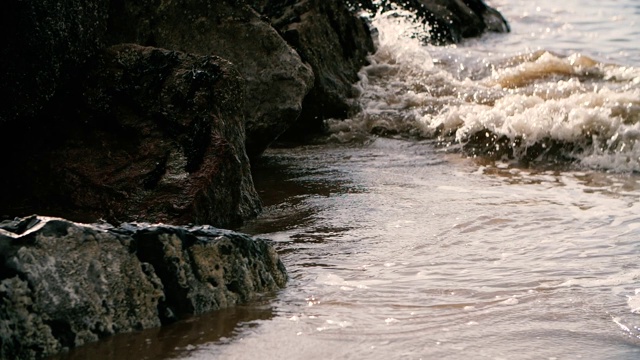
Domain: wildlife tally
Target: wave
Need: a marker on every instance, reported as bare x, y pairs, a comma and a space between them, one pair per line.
532, 107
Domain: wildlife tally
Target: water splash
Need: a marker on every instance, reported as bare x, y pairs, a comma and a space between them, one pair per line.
534, 106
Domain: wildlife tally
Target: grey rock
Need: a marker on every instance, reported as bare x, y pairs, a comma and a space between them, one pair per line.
200, 274
276, 78
335, 42
64, 284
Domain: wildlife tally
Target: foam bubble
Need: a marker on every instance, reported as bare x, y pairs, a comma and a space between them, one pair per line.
510, 301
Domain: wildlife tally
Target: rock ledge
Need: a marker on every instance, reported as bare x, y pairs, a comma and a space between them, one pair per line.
64, 284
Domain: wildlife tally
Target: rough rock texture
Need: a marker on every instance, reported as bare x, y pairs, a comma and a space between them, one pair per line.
42, 42
64, 284
200, 275
156, 135
335, 41
276, 78
450, 20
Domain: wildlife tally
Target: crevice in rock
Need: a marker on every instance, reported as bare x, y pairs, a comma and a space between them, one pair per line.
154, 177
62, 331
234, 287
197, 143
151, 250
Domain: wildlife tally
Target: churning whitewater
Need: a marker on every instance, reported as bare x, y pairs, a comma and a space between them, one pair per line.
518, 104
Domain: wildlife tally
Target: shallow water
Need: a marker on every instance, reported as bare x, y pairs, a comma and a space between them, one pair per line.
400, 250
484, 205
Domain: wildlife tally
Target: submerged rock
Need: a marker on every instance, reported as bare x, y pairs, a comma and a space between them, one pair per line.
64, 284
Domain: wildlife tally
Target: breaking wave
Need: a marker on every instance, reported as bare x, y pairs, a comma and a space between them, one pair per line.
532, 107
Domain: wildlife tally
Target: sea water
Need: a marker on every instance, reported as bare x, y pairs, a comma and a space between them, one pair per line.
483, 205
565, 84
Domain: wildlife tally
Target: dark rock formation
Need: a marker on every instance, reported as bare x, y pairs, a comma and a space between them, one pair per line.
276, 78
450, 20
335, 41
64, 284
140, 133
42, 44
155, 134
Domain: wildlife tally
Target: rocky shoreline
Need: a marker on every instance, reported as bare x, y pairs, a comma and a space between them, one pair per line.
121, 115
66, 284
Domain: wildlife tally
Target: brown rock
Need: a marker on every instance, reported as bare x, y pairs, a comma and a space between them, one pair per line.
159, 136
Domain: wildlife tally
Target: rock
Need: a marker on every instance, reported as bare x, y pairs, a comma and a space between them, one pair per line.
43, 43
141, 133
335, 41
64, 284
450, 20
200, 275
155, 135
276, 78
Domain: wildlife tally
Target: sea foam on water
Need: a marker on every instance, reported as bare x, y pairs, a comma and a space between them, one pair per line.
534, 106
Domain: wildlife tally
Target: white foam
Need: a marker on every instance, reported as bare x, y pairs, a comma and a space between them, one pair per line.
414, 89
533, 118
600, 121
510, 301
634, 302
342, 284
626, 278
331, 279
398, 44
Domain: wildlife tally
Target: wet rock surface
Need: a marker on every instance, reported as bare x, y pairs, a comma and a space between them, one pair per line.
155, 135
277, 80
64, 284
89, 137
335, 41
450, 21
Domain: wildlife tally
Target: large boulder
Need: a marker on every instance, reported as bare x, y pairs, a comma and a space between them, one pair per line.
43, 43
450, 21
335, 41
64, 284
276, 78
141, 133
154, 135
